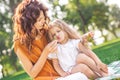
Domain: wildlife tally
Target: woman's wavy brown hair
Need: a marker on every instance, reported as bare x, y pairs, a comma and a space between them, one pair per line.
24, 18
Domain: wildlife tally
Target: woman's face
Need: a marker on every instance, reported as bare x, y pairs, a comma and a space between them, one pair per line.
41, 22
57, 34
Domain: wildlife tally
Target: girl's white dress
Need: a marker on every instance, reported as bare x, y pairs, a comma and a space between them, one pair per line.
67, 54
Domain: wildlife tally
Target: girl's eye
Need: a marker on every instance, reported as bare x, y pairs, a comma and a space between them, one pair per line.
53, 35
58, 30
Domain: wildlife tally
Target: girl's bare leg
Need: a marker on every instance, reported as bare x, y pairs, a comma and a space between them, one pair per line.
101, 66
84, 59
84, 69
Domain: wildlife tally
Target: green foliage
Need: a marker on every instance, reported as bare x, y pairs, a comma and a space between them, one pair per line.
114, 12
100, 17
3, 36
83, 13
7, 57
18, 76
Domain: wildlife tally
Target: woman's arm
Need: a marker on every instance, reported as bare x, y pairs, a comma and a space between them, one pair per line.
58, 68
31, 69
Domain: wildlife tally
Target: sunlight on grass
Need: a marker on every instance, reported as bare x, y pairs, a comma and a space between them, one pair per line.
106, 43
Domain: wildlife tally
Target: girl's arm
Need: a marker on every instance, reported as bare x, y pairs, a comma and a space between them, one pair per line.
31, 69
87, 37
58, 68
89, 53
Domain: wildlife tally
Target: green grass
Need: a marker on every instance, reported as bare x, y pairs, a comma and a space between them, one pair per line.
21, 75
107, 52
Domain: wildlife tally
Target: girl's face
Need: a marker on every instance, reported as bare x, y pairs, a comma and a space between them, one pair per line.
58, 34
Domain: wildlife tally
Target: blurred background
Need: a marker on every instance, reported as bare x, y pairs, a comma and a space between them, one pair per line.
100, 16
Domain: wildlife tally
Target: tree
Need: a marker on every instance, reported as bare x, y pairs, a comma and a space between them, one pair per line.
114, 19
84, 13
100, 17
7, 57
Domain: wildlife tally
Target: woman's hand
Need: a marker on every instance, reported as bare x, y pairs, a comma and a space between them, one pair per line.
51, 47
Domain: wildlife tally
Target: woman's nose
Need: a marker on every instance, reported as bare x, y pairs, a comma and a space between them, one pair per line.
45, 25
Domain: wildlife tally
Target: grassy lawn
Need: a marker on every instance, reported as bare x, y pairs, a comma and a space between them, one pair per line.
107, 52
18, 76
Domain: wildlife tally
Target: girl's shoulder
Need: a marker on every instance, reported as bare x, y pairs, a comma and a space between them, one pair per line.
74, 40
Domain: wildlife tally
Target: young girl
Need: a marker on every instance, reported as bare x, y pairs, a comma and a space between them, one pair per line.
71, 52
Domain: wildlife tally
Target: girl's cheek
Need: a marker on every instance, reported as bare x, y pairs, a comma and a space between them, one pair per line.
54, 38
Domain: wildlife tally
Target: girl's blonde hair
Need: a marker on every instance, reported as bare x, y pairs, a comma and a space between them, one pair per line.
71, 33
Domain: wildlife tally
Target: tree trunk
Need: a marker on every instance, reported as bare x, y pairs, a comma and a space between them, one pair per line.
114, 33
81, 16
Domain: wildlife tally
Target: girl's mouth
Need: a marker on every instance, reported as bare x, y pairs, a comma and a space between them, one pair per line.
58, 38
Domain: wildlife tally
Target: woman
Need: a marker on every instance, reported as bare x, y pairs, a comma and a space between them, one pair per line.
30, 43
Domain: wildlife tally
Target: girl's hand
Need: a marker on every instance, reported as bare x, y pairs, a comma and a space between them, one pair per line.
51, 47
87, 37
65, 74
103, 67
91, 34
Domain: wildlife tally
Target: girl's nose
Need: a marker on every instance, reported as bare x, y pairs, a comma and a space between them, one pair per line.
57, 34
